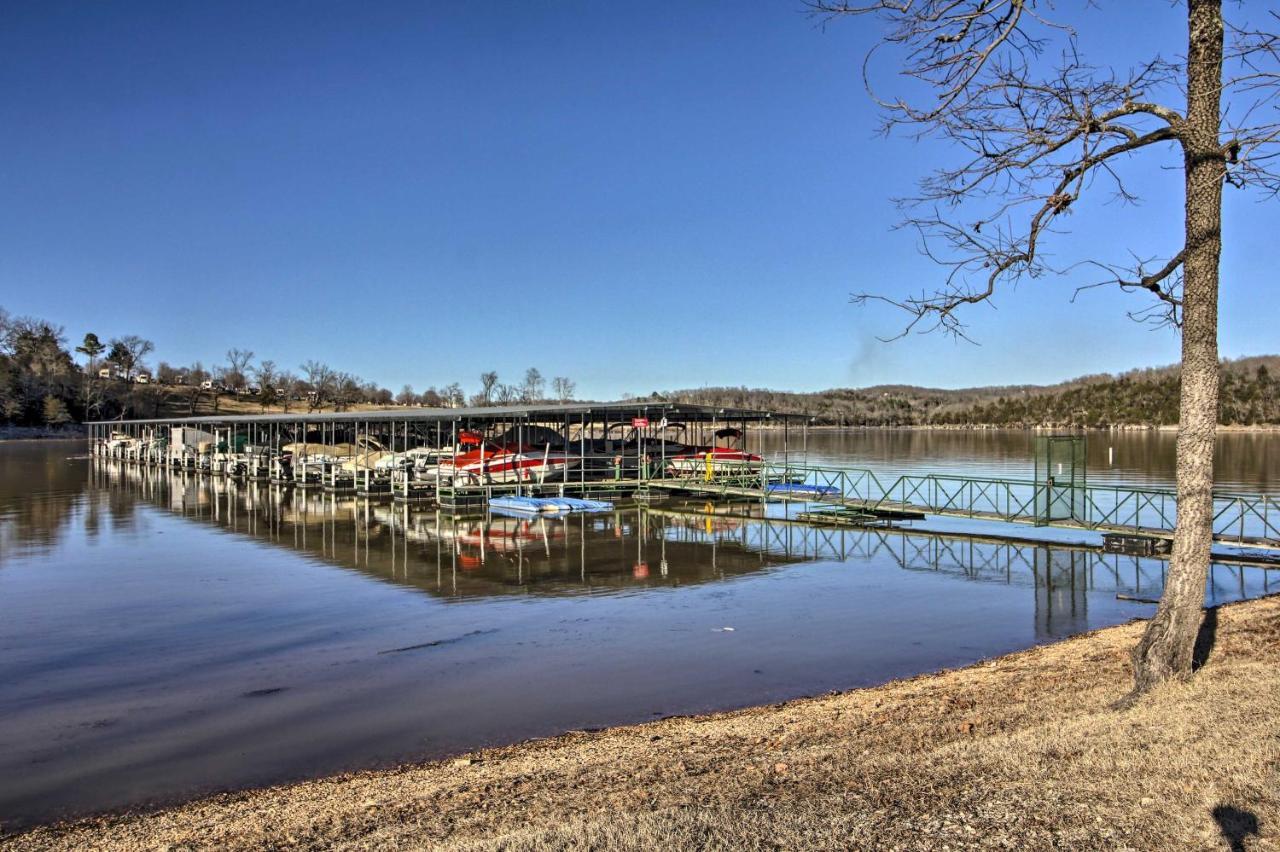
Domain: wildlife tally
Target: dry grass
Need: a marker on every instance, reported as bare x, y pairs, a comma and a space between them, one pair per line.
176, 402
1022, 752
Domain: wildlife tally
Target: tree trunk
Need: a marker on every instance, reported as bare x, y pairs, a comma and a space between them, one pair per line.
1165, 650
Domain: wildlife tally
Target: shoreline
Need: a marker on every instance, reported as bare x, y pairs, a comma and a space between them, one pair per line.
1266, 428
41, 433
1022, 751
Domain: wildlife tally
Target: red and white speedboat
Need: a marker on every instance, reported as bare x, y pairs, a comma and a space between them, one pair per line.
481, 462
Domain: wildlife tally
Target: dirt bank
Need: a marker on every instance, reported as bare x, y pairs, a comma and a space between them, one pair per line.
1020, 752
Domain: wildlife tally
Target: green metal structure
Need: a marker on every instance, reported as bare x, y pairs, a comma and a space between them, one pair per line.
1239, 518
1060, 471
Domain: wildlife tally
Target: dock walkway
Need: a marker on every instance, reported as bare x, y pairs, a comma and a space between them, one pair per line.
1240, 519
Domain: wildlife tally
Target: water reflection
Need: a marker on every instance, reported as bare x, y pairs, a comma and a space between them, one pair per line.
638, 547
1243, 461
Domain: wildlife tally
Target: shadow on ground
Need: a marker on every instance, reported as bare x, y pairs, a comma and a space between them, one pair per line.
1205, 639
1235, 825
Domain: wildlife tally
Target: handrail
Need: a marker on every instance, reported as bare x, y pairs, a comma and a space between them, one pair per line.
1239, 515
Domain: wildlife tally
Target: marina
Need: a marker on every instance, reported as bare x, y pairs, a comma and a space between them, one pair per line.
463, 460
467, 427
456, 458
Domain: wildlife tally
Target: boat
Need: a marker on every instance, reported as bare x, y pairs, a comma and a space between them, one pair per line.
314, 451
726, 460
479, 461
527, 505
119, 442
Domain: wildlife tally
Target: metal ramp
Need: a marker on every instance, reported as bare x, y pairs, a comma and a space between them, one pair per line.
1242, 519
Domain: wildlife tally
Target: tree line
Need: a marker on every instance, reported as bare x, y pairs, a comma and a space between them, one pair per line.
43, 384
1249, 396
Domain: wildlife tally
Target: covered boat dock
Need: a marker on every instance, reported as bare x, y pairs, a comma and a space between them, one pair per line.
460, 457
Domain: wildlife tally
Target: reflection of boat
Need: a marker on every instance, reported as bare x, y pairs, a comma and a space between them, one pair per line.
497, 534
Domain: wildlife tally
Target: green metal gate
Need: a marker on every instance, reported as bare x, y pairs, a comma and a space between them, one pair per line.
1060, 478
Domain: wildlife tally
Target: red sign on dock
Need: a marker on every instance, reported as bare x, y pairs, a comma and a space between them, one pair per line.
639, 422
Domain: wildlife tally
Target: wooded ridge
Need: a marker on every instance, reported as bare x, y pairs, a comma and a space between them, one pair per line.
1148, 397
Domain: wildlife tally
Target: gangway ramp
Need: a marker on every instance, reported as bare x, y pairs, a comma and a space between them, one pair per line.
1240, 519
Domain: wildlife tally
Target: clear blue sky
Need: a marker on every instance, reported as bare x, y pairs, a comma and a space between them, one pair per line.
639, 196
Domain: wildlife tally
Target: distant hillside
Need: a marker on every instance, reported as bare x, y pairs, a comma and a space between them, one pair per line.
1144, 397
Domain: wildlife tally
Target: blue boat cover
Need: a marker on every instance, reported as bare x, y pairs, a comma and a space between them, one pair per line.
805, 489
545, 505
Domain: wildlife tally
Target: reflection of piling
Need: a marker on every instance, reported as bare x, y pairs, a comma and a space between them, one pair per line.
1062, 603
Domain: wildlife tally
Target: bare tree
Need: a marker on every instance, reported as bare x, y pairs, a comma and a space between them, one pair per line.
407, 396
488, 381
287, 387
238, 368
563, 388
266, 373
1037, 131
197, 375
167, 374
533, 385
453, 395
267, 377
346, 391
320, 383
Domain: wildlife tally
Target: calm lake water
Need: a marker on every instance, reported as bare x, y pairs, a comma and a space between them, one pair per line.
1245, 461
164, 636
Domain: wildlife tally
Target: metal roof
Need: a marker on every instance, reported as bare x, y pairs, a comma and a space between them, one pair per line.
677, 410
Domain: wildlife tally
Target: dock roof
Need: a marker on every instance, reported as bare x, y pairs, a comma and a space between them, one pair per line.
686, 412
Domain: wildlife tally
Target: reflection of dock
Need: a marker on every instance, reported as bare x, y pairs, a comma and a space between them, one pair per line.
635, 547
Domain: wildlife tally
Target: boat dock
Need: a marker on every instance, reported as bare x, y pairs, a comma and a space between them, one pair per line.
859, 497
458, 460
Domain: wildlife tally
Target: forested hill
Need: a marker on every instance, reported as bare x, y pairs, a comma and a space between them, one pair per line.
1147, 397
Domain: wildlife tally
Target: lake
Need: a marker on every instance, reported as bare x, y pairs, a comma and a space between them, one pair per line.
163, 636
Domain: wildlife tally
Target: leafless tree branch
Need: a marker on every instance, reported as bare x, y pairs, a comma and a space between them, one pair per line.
1037, 129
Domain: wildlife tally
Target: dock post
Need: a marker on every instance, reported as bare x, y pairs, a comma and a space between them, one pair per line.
764, 481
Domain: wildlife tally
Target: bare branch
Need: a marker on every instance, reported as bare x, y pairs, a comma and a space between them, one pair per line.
1036, 126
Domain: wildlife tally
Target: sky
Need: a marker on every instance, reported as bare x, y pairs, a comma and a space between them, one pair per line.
637, 196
